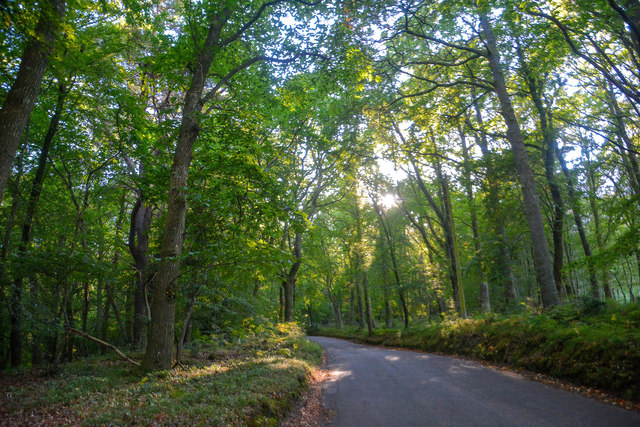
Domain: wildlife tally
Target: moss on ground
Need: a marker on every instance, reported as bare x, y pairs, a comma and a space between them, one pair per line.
590, 345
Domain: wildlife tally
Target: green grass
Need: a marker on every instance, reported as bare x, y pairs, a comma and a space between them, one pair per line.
251, 382
586, 343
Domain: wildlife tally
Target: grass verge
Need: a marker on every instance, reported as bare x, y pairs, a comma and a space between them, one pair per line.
590, 345
253, 381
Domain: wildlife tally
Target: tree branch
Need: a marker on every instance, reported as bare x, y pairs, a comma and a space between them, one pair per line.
257, 16
106, 344
407, 30
628, 92
246, 64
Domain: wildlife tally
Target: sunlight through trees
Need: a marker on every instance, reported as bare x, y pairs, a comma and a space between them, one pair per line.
172, 169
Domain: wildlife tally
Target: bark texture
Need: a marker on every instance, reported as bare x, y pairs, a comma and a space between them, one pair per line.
22, 96
541, 258
139, 247
159, 352
549, 147
15, 337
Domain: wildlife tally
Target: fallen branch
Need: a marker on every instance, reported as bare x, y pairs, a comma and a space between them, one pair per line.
106, 344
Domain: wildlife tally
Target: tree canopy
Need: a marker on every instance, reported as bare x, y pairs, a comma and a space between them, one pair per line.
171, 169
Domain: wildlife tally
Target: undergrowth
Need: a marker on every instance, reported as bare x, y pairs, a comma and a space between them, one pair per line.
252, 380
585, 342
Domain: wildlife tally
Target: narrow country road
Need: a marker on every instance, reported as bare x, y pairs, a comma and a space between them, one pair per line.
372, 386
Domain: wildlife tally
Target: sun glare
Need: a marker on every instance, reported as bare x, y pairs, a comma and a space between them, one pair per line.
388, 200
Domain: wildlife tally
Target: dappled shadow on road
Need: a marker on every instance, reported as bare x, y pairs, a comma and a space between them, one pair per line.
382, 386
419, 370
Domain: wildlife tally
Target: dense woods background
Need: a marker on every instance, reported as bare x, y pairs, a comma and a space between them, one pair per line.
180, 171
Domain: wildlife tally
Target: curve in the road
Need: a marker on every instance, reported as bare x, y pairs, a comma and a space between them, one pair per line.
372, 386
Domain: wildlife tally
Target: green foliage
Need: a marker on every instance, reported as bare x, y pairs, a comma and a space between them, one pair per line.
296, 147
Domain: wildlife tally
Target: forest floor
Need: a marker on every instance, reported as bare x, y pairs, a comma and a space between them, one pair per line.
591, 350
254, 381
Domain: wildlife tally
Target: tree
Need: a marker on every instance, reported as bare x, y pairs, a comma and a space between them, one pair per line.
15, 342
485, 301
446, 58
159, 352
19, 101
391, 246
540, 246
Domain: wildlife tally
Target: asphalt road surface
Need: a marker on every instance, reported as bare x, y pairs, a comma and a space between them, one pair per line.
372, 386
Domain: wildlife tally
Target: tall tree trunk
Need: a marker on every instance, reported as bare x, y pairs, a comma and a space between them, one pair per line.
338, 315
444, 214
450, 237
99, 307
291, 278
351, 314
22, 96
549, 147
632, 297
60, 339
557, 221
281, 299
116, 312
485, 303
27, 229
292, 275
108, 293
386, 284
367, 303
16, 199
592, 185
335, 302
182, 339
577, 217
572, 284
104, 323
542, 262
159, 352
84, 351
139, 247
79, 233
310, 318
358, 280
442, 308
360, 271
494, 212
69, 341
431, 250
6, 243
36, 335
384, 224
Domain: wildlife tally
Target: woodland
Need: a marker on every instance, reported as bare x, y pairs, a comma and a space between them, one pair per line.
179, 173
